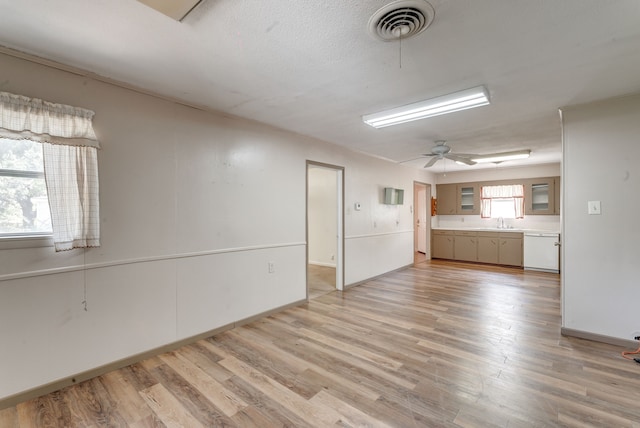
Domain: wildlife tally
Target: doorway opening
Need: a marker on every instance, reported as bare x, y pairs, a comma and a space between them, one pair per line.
325, 229
422, 222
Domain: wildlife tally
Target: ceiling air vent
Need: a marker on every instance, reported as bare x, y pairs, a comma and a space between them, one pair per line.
401, 19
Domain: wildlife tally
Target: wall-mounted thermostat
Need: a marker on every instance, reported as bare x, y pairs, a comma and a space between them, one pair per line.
593, 207
357, 206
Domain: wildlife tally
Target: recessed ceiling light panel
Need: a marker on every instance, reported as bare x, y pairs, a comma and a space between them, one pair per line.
176, 9
401, 19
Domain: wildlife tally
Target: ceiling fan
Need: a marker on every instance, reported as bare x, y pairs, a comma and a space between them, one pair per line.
442, 151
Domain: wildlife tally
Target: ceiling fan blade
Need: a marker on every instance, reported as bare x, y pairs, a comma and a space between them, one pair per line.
432, 162
424, 155
458, 158
412, 159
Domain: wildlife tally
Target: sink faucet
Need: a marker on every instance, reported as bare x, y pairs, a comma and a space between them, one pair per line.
500, 223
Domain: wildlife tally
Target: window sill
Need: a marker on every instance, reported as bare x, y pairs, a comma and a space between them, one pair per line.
26, 241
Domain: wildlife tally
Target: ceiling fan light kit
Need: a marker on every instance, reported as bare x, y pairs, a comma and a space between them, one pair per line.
457, 101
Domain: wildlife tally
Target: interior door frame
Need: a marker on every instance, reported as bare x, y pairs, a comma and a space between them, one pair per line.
339, 222
427, 205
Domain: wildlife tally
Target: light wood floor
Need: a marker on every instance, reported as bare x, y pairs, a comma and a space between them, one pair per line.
321, 280
439, 344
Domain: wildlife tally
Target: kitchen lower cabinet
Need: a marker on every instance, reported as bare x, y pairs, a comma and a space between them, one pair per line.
510, 249
488, 247
465, 246
442, 245
503, 248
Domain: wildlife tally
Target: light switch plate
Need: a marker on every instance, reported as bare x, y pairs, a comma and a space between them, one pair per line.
593, 207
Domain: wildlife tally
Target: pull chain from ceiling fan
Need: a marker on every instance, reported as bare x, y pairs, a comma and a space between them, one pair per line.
400, 49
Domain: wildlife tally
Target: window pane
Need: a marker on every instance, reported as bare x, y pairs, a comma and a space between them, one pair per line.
23, 155
503, 207
24, 207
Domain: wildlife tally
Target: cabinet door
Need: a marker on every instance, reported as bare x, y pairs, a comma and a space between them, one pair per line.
468, 199
442, 245
510, 251
488, 248
465, 247
539, 196
447, 200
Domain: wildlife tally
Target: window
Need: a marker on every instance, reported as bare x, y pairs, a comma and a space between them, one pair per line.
502, 201
24, 207
66, 161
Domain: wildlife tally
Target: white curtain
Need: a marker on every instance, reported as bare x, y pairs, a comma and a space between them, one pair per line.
515, 192
70, 163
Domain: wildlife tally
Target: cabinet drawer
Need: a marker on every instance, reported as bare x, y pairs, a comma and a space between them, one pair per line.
465, 233
442, 232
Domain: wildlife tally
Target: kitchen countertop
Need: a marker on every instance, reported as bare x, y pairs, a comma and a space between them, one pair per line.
494, 229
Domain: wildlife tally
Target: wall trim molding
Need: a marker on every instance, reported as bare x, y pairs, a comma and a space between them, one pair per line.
30, 394
372, 235
595, 337
91, 266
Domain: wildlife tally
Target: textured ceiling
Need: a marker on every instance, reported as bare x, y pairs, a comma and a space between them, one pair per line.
310, 66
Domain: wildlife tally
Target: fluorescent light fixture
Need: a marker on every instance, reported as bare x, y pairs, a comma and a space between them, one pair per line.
457, 101
501, 157
176, 9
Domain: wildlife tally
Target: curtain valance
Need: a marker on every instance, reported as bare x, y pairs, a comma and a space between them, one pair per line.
506, 191
37, 120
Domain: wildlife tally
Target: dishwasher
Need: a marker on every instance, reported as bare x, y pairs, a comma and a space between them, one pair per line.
542, 251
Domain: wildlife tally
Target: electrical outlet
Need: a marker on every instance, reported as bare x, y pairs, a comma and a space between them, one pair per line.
271, 267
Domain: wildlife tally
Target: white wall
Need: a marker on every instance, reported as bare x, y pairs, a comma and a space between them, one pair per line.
601, 150
193, 207
323, 209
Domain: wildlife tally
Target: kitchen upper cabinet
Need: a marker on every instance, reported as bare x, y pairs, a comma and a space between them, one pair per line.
488, 247
458, 198
447, 198
465, 246
442, 247
539, 196
510, 249
468, 195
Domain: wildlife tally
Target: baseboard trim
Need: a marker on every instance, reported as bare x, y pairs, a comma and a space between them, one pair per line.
569, 332
36, 392
311, 262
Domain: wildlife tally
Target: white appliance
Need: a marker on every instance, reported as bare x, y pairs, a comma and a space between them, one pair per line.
542, 251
